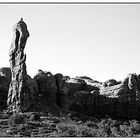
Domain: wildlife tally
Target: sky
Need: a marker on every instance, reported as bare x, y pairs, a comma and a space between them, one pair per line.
101, 41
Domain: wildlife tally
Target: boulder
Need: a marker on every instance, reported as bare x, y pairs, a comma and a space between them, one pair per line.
111, 82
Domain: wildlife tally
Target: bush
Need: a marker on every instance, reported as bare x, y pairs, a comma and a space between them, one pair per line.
18, 119
135, 126
92, 125
114, 132
126, 131
104, 126
67, 130
85, 131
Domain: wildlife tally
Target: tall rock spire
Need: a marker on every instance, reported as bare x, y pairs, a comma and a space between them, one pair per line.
16, 96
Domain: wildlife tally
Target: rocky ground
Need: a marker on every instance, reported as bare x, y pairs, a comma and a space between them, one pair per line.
68, 124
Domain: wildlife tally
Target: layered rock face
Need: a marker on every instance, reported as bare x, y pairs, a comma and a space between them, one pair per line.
116, 99
82, 84
125, 97
18, 95
62, 91
47, 86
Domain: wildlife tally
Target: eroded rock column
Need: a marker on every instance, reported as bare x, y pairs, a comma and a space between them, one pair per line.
17, 92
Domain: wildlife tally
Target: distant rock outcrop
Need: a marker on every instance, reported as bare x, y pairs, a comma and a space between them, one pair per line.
18, 96
117, 99
114, 91
110, 82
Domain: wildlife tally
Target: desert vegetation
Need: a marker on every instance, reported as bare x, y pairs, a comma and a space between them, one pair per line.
65, 125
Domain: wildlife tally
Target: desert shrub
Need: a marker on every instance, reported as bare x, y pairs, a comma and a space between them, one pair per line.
17, 119
71, 128
67, 129
114, 132
35, 117
63, 128
114, 123
72, 132
126, 131
135, 126
91, 124
104, 126
85, 131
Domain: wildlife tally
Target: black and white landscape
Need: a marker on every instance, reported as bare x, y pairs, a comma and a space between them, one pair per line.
83, 40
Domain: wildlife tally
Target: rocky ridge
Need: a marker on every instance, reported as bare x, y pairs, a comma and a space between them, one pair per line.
48, 92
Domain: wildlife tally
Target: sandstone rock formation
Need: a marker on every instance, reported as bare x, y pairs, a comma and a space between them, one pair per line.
32, 92
116, 99
80, 101
110, 82
86, 102
18, 97
90, 83
75, 85
114, 91
52, 92
62, 91
47, 86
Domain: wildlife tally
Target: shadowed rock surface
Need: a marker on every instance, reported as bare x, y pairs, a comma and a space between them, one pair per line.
47, 86
6, 72
62, 91
116, 99
5, 78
